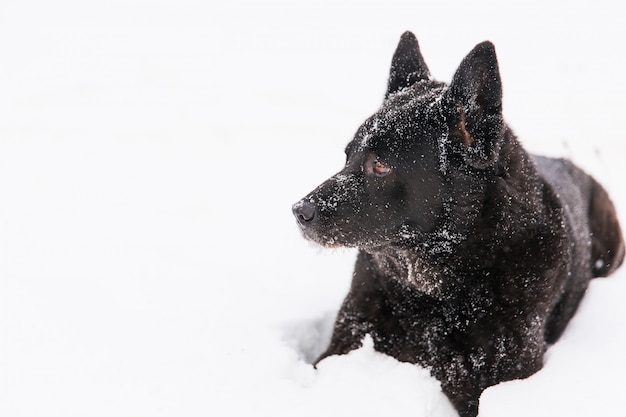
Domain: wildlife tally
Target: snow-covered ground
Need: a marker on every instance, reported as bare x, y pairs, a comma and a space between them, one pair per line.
150, 152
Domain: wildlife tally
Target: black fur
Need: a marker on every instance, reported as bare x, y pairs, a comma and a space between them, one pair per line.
474, 254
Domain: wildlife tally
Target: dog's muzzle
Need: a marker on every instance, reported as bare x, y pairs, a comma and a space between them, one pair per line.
304, 210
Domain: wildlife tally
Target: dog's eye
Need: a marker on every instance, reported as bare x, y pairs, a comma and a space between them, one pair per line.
380, 168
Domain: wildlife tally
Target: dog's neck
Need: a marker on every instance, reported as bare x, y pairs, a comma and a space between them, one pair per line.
413, 270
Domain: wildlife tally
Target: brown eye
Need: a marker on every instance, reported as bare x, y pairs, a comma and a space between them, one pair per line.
381, 169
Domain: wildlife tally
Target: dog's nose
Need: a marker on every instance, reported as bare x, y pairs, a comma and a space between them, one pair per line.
304, 211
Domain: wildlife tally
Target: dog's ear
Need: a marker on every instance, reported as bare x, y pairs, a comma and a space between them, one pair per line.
475, 98
407, 65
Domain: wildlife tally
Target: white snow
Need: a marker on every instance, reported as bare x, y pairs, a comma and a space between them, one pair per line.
150, 153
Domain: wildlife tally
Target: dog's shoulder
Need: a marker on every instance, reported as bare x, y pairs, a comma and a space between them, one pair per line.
571, 187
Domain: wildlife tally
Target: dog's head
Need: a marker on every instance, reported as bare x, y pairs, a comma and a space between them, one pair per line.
415, 159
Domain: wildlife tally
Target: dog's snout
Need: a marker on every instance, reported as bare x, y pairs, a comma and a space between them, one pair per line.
304, 211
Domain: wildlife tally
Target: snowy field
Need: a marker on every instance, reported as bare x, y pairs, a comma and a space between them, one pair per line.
150, 152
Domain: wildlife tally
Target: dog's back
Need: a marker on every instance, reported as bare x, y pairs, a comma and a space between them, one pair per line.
596, 240
584, 198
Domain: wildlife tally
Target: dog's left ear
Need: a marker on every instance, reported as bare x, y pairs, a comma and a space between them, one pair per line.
407, 65
475, 98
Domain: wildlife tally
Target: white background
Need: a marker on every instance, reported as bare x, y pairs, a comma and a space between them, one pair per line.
150, 152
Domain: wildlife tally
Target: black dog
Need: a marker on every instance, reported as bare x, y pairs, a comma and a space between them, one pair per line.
473, 254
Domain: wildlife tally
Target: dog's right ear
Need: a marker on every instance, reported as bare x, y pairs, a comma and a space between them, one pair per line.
407, 65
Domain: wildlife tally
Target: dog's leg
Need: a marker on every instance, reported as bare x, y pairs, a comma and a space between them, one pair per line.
359, 309
349, 331
606, 236
464, 397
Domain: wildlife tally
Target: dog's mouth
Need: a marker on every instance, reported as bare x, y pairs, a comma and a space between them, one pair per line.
331, 235
307, 217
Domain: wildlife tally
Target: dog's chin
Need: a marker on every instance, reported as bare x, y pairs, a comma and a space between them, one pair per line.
342, 241
326, 241
329, 245
347, 239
